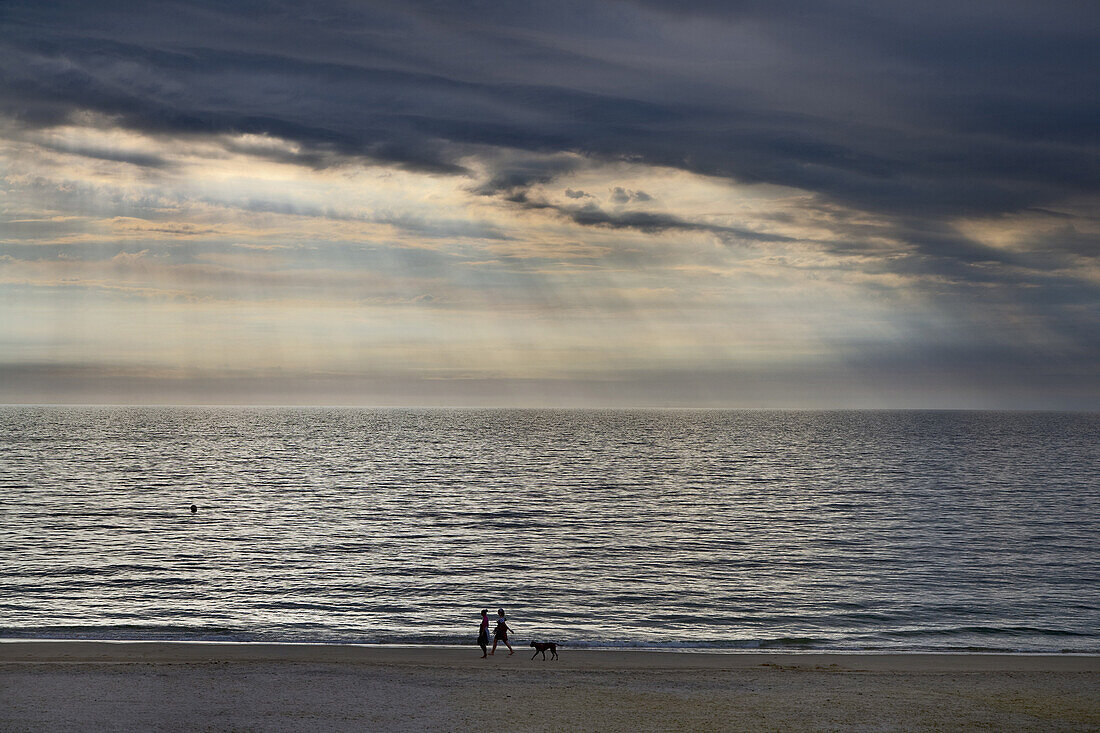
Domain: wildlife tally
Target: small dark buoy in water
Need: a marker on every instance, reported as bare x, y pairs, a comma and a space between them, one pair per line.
194, 508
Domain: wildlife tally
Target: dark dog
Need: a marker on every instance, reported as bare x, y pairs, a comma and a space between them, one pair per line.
545, 647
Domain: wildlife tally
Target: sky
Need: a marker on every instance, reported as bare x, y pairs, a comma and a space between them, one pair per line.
781, 204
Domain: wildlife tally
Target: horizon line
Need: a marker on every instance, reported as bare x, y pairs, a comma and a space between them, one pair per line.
557, 408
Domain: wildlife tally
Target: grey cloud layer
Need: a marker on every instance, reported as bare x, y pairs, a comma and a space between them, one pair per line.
938, 110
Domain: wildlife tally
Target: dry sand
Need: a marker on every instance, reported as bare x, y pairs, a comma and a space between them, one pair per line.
103, 686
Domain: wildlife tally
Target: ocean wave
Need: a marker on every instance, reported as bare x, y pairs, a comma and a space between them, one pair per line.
988, 631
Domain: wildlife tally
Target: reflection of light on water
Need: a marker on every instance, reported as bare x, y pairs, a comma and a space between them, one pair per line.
734, 530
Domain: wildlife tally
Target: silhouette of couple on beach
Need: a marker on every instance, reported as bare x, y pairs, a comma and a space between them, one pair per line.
500, 633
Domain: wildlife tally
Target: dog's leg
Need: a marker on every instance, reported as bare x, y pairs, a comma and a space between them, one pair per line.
535, 654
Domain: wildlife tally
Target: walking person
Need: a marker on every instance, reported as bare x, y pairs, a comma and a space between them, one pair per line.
483, 633
500, 633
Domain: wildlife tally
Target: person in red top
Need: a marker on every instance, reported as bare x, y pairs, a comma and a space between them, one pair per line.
483, 633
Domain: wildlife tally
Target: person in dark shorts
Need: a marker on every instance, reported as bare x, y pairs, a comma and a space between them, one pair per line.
483, 633
500, 633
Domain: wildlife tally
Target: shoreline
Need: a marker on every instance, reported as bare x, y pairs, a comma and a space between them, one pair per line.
583, 646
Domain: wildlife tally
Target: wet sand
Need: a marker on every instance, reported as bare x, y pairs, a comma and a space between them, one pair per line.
71, 685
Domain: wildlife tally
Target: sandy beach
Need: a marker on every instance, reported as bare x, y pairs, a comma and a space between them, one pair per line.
95, 685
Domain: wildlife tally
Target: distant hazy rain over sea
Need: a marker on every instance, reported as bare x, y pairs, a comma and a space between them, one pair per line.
711, 529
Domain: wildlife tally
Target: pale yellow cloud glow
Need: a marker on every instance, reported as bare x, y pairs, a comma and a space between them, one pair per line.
227, 256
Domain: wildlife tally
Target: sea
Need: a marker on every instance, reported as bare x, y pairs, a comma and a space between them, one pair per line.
669, 529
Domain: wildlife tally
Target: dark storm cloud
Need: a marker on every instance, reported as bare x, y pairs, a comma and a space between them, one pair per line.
645, 221
141, 160
933, 110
